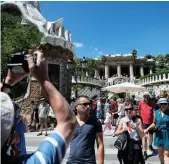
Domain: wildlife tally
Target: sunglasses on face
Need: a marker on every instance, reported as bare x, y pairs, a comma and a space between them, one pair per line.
163, 104
85, 104
129, 109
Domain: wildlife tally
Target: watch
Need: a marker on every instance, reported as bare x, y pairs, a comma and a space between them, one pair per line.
4, 85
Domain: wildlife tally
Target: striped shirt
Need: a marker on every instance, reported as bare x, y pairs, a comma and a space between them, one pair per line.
51, 151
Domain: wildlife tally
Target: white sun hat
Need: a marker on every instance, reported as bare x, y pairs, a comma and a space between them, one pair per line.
7, 117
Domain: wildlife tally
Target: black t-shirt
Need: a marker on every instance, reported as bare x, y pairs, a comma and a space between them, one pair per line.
82, 149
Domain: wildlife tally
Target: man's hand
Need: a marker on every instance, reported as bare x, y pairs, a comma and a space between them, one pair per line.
12, 78
40, 71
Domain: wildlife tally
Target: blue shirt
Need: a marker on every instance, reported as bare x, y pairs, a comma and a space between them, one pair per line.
20, 129
51, 151
106, 106
82, 149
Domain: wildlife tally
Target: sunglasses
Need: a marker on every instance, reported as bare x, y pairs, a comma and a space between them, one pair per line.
85, 104
128, 109
163, 104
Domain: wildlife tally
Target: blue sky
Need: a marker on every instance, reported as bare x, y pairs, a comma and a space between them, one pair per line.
113, 27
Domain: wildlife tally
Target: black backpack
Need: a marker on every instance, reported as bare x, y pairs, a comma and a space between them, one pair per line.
121, 142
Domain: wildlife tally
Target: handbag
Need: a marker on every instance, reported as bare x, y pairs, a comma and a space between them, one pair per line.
121, 142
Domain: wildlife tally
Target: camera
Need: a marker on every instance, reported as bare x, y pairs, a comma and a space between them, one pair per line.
18, 63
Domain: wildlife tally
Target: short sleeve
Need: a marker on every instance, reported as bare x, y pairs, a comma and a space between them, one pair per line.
51, 151
98, 126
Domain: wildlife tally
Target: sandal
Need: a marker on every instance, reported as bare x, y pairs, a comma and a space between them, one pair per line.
39, 134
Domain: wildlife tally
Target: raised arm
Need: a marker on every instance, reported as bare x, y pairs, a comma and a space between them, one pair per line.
66, 121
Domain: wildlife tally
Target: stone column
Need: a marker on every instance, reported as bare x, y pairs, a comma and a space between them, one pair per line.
141, 70
151, 70
96, 73
131, 70
119, 70
106, 71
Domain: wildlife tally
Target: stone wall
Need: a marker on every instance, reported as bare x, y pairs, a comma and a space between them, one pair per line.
35, 92
89, 91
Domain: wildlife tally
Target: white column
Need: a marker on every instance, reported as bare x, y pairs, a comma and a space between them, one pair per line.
119, 70
141, 70
151, 70
96, 73
106, 71
131, 70
87, 74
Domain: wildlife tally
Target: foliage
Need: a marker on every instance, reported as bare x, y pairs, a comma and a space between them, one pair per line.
16, 37
160, 63
90, 66
148, 56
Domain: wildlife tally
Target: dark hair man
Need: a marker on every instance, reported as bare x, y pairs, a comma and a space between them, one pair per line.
53, 148
88, 130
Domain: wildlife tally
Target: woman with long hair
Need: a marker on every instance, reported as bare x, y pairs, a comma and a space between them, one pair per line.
161, 125
132, 126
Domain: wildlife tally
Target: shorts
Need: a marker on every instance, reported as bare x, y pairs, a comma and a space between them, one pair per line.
43, 120
52, 120
145, 126
115, 116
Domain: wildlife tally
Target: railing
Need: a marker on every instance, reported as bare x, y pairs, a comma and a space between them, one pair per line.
163, 77
102, 83
88, 80
118, 80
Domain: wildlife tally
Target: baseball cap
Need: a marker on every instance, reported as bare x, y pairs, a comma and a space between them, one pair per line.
162, 101
7, 117
146, 94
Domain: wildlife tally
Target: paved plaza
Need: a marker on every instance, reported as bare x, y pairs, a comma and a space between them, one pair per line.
33, 141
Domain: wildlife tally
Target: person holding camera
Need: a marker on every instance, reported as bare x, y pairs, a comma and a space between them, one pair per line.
53, 148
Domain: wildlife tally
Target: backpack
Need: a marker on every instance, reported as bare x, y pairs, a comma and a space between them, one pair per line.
44, 109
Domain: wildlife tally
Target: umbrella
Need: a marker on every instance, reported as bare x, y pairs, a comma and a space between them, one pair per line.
124, 87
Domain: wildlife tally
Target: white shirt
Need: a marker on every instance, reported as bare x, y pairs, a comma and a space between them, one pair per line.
51, 113
98, 105
108, 118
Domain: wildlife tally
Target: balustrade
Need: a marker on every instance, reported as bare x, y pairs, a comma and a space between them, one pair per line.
88, 80
164, 77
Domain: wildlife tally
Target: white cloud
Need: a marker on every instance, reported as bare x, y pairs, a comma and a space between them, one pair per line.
100, 53
78, 45
96, 49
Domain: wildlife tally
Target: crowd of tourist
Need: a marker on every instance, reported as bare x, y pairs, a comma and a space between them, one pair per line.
80, 124
148, 118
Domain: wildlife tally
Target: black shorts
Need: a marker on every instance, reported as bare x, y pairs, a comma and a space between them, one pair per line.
145, 126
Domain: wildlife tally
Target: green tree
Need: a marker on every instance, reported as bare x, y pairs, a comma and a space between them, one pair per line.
90, 65
16, 37
148, 56
167, 58
160, 63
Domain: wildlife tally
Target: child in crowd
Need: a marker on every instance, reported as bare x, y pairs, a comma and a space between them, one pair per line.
108, 120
